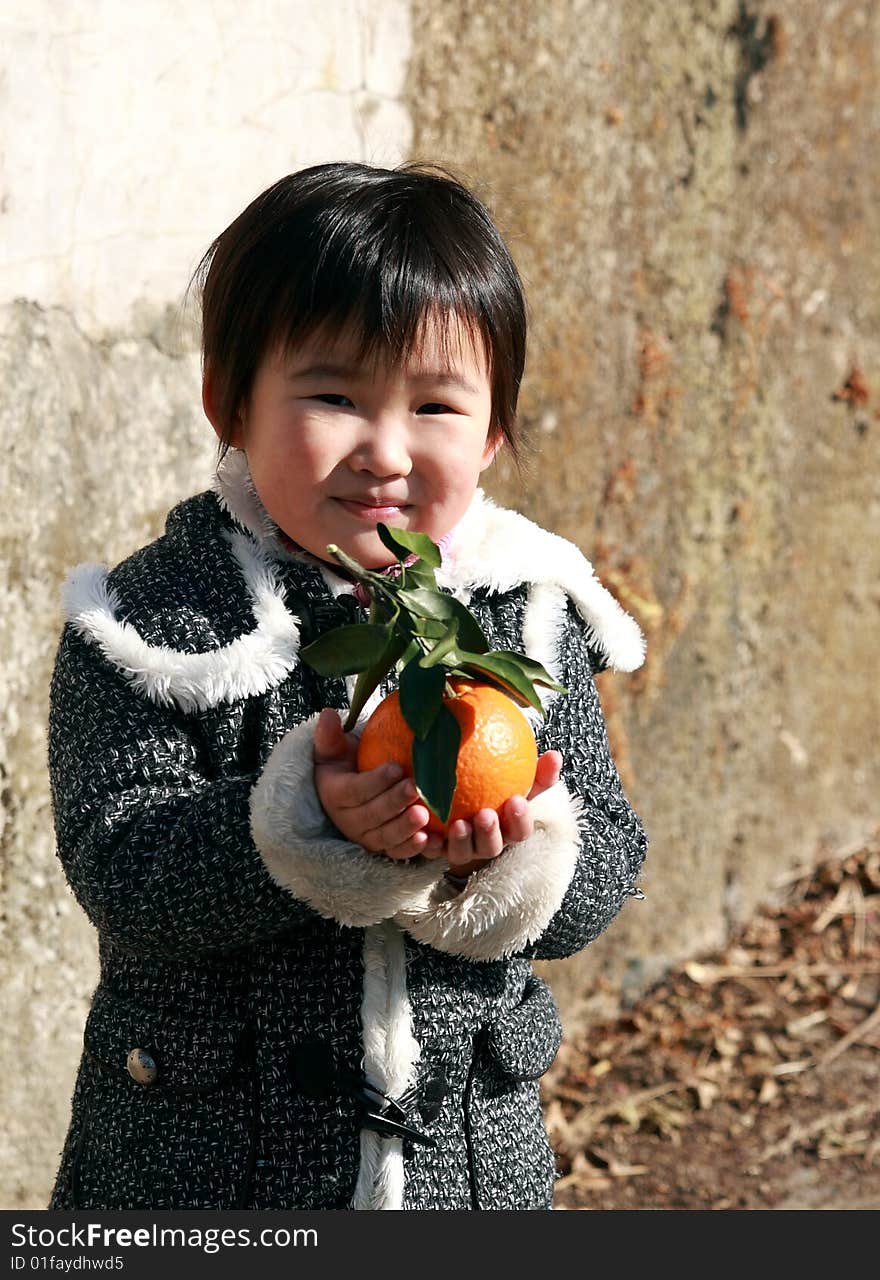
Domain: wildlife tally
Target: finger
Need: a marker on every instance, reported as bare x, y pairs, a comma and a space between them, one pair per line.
459, 845
377, 797
329, 738
516, 820
547, 773
435, 847
487, 838
402, 831
415, 842
369, 799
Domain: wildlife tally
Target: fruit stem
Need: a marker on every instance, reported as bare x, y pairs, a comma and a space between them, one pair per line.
375, 583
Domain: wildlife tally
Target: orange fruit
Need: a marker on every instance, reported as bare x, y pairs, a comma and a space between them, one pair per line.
497, 757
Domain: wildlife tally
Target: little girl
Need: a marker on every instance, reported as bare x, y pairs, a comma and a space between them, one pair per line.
306, 1001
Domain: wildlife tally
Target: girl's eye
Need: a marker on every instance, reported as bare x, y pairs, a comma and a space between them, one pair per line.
331, 398
435, 408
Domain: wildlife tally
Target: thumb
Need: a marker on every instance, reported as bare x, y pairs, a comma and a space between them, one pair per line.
547, 773
329, 738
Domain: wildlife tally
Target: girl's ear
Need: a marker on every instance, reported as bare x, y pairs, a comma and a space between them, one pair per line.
210, 407
493, 444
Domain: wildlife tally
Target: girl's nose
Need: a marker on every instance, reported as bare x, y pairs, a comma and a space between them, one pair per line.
383, 449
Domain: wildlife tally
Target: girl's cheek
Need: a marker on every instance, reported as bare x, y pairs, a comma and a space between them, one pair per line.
317, 440
445, 458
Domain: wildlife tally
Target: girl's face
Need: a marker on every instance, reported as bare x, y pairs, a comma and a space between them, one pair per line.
333, 448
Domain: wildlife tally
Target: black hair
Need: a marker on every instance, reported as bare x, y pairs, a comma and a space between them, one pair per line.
375, 252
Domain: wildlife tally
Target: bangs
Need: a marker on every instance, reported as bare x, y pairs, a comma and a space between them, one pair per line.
381, 288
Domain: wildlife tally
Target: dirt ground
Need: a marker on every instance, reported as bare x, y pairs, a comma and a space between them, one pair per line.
748, 1079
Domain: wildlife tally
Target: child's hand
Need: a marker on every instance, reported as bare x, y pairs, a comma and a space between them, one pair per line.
375, 809
470, 845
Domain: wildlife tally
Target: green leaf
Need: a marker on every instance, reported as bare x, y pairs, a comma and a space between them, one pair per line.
411, 651
434, 760
369, 679
421, 695
505, 674
403, 543
531, 669
470, 633
347, 650
444, 649
429, 628
418, 574
428, 604
424, 603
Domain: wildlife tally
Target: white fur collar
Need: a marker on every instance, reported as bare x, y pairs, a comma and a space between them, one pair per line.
249, 665
494, 547
499, 549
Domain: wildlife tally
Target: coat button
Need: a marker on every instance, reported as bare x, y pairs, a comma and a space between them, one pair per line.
141, 1066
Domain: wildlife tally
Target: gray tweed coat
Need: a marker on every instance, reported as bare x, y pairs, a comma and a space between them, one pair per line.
283, 1020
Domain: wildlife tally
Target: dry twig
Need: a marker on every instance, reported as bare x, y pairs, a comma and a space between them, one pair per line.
578, 1130
705, 974
800, 1133
852, 1037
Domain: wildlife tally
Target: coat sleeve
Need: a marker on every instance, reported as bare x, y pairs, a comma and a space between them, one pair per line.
552, 894
167, 858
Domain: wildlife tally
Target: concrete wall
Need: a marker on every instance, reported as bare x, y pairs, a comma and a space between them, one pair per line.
688, 189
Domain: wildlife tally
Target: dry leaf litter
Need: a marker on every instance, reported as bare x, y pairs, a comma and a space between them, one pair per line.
748, 1078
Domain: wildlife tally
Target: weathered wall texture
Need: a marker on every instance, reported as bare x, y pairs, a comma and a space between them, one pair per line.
691, 191
132, 134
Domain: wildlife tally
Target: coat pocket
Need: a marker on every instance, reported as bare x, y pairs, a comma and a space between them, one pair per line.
171, 1111
526, 1039
510, 1161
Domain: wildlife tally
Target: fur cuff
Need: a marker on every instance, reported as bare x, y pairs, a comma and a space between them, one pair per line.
305, 854
511, 901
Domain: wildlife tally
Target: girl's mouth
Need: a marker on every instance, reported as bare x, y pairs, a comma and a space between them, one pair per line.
372, 514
